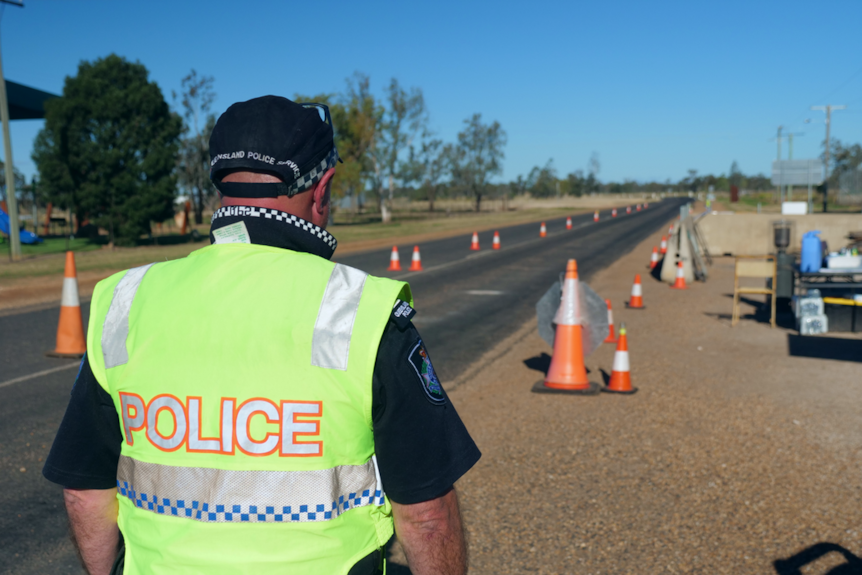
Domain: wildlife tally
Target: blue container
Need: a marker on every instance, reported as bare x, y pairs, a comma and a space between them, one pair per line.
812, 252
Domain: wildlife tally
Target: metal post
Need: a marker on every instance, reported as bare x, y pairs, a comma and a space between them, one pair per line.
11, 201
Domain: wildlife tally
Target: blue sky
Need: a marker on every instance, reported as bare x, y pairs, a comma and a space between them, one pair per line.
655, 88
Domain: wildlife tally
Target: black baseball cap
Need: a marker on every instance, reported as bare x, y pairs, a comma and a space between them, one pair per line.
273, 135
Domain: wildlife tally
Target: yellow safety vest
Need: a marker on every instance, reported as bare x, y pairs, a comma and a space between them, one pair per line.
242, 377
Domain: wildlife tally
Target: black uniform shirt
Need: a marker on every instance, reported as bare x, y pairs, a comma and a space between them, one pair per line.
421, 444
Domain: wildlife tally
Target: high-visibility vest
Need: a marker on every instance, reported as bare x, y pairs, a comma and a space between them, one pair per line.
242, 378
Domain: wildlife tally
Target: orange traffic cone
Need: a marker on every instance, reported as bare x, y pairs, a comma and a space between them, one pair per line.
611, 337
495, 244
670, 230
567, 373
663, 245
474, 245
639, 207
394, 260
637, 299
621, 379
614, 213
596, 216
653, 259
646, 205
628, 209
416, 263
70, 330
568, 223
543, 231
680, 278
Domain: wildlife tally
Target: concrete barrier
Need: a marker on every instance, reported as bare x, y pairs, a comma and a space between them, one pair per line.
751, 234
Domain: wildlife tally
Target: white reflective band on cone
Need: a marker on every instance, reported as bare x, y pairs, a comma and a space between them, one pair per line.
637, 290
70, 293
680, 272
621, 361
610, 316
569, 312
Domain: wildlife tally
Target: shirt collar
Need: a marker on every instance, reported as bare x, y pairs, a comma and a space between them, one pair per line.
276, 229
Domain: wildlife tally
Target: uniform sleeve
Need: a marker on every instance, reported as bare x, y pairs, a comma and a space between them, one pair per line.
86, 450
421, 443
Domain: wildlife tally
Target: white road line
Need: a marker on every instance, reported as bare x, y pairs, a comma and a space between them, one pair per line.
484, 292
40, 373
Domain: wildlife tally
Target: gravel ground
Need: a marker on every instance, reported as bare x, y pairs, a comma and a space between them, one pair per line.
734, 456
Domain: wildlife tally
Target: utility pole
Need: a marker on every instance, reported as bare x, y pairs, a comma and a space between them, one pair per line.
11, 201
778, 157
828, 109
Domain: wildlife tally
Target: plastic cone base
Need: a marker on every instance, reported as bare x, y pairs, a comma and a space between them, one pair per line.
627, 392
591, 389
610, 340
674, 286
630, 307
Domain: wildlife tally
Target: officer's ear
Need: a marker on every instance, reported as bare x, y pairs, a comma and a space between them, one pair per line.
322, 191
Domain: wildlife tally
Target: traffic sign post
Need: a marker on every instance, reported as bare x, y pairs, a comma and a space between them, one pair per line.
798, 173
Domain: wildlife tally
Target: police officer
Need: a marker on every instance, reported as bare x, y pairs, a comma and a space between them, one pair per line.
254, 407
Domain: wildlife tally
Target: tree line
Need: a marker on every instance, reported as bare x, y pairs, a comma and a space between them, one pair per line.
116, 154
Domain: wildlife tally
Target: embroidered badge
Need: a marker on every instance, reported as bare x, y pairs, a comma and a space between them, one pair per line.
427, 376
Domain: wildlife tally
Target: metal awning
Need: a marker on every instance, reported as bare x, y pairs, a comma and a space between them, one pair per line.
26, 103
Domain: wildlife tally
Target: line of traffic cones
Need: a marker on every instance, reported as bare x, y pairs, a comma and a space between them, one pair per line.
70, 328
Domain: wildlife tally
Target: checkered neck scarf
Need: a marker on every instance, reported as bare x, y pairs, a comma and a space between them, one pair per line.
277, 229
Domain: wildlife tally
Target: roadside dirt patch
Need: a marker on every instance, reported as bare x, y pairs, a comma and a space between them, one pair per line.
734, 454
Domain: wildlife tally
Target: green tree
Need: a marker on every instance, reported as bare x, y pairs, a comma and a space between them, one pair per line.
355, 117
193, 166
403, 119
19, 182
108, 149
577, 183
478, 155
544, 180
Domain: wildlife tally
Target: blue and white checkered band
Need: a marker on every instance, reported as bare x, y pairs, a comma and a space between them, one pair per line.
308, 180
268, 214
230, 496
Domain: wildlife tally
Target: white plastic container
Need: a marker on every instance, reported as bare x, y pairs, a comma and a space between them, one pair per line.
813, 325
807, 305
842, 262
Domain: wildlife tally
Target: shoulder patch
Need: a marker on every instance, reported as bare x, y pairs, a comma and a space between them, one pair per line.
402, 313
420, 361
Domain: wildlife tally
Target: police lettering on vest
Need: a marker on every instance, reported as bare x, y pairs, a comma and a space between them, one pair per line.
169, 424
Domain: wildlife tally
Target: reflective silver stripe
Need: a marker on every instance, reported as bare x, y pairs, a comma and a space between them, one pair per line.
116, 327
330, 344
222, 496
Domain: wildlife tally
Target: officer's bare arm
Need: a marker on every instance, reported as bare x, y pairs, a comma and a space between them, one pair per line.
93, 520
432, 535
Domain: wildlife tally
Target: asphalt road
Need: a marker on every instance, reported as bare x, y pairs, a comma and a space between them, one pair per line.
466, 302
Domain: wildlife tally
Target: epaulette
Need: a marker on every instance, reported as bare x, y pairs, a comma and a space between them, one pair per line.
402, 313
